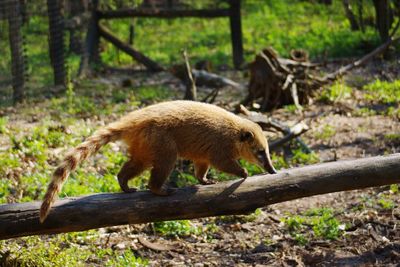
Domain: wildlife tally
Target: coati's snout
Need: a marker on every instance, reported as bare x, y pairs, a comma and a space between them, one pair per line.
256, 149
265, 159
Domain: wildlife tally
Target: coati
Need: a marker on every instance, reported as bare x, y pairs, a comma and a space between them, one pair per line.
158, 134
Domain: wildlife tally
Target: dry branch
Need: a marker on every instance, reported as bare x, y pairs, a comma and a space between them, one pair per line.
191, 90
150, 64
233, 197
204, 78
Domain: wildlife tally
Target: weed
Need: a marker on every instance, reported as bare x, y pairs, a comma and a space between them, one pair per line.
176, 228
302, 158
383, 91
386, 203
290, 108
326, 132
125, 259
394, 188
392, 138
321, 221
336, 92
325, 225
3, 125
63, 250
365, 112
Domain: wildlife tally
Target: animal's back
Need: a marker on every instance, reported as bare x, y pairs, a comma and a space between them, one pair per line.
195, 127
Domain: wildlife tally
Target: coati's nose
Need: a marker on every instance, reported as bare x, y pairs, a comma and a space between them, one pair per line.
266, 162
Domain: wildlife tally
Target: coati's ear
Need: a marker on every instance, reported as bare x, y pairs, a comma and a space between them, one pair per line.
246, 136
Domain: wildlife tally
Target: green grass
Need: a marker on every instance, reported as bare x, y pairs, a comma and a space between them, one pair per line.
284, 25
336, 92
73, 249
180, 228
383, 91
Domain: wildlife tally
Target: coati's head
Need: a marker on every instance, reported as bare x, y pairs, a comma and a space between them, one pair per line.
254, 146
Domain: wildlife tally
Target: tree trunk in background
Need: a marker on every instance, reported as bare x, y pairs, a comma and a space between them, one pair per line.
383, 18
75, 35
350, 15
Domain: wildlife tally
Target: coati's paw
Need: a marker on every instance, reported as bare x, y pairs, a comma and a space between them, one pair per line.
244, 174
163, 191
129, 190
206, 181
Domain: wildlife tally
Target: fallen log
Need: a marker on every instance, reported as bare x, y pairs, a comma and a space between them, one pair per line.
234, 197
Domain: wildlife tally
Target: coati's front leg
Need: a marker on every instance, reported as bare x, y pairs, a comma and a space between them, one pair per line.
130, 170
200, 172
230, 166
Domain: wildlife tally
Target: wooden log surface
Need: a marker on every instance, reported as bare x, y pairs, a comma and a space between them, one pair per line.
233, 197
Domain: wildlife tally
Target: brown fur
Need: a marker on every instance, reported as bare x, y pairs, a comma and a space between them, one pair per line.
157, 135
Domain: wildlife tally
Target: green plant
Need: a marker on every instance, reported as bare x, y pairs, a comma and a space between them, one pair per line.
176, 228
386, 203
326, 132
290, 108
339, 90
3, 125
325, 225
302, 158
125, 259
321, 221
394, 188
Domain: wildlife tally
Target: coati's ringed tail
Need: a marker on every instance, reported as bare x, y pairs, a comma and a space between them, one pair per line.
72, 160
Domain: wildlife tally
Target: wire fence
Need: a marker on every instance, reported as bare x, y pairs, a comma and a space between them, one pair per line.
43, 42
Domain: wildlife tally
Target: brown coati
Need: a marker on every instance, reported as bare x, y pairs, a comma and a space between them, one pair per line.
157, 135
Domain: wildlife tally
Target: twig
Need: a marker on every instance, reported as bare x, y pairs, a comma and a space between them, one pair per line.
380, 49
191, 90
295, 131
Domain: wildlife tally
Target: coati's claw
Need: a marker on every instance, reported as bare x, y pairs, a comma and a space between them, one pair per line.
130, 190
164, 191
206, 182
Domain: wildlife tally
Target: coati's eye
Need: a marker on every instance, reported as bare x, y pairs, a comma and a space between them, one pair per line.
246, 136
260, 154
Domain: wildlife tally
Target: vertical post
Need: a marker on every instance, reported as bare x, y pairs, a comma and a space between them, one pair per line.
17, 55
236, 33
382, 10
56, 41
75, 40
90, 54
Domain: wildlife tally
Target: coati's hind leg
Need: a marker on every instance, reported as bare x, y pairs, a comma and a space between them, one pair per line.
200, 171
230, 166
130, 169
163, 165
